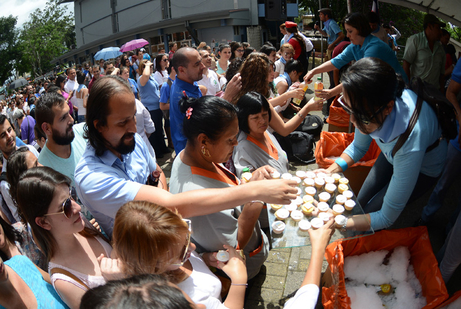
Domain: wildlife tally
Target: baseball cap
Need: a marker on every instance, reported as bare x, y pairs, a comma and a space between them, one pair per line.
290, 24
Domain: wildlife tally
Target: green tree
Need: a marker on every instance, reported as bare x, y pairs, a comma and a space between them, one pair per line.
48, 34
8, 48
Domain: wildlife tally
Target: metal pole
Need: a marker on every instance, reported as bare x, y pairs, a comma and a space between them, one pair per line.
321, 39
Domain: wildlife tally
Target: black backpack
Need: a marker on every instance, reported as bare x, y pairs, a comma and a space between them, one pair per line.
443, 109
298, 145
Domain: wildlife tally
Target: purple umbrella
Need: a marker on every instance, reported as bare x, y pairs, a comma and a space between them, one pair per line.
133, 44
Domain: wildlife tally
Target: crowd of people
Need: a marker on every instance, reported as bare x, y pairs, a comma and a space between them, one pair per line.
87, 212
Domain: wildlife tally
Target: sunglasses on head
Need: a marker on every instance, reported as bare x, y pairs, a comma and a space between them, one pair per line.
66, 207
183, 255
362, 118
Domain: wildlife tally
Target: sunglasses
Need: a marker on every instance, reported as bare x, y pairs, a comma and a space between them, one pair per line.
185, 249
66, 207
362, 118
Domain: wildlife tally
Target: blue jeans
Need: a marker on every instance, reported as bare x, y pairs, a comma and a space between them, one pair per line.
374, 188
81, 118
450, 173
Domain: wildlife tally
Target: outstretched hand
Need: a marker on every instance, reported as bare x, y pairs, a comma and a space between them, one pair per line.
110, 268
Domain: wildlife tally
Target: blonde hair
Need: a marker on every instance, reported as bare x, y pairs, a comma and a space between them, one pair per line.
287, 46
146, 238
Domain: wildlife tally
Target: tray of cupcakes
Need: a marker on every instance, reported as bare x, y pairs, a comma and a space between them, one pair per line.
320, 197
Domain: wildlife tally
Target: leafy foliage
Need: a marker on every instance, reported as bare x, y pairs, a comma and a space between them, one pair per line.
8, 49
48, 34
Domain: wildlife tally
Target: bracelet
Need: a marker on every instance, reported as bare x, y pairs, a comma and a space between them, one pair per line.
342, 163
300, 115
343, 228
240, 284
257, 201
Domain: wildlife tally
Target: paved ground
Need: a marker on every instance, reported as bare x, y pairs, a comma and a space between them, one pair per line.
284, 270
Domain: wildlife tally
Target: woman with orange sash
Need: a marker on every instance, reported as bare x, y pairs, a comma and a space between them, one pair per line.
257, 146
211, 128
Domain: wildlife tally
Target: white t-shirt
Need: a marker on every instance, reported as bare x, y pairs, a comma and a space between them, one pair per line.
159, 78
202, 285
211, 82
71, 85
279, 67
305, 297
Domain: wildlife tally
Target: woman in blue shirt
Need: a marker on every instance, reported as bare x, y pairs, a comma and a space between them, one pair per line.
149, 94
363, 45
381, 109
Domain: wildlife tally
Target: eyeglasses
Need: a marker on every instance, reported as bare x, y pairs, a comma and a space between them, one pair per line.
240, 50
166, 60
66, 207
362, 118
185, 249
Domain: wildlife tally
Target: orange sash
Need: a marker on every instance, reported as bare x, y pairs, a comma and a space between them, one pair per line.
272, 151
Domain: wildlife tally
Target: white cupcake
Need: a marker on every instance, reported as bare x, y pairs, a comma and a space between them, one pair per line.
310, 191
325, 216
307, 209
321, 175
299, 191
319, 182
275, 175
276, 207
317, 223
344, 181
324, 197
341, 199
338, 209
349, 205
291, 207
340, 220
296, 215
282, 214
286, 176
329, 179
330, 188
308, 198
301, 174
323, 207
310, 174
348, 194
309, 182
246, 177
298, 200
342, 187
278, 227
336, 177
297, 179
304, 225
222, 256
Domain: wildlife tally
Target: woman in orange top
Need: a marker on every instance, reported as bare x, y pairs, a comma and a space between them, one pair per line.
256, 146
211, 128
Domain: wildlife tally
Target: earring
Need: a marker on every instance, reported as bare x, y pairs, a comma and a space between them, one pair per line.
205, 152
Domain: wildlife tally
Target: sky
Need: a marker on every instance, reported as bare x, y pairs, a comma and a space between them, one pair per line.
22, 8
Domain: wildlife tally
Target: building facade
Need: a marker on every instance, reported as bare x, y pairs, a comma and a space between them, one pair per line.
104, 23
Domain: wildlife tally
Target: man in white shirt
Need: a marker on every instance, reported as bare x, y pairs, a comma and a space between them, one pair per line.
71, 86
209, 79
